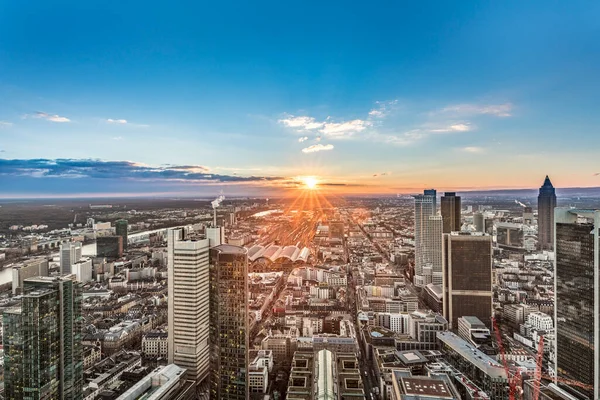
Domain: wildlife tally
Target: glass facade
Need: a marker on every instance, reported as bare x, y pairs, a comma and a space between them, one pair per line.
450, 207
468, 278
575, 301
42, 342
229, 322
121, 230
109, 246
546, 205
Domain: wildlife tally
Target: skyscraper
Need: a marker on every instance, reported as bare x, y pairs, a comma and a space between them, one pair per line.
428, 240
229, 323
450, 207
546, 205
188, 285
70, 253
43, 354
121, 230
577, 296
467, 286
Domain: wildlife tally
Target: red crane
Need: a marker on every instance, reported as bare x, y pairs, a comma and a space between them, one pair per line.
538, 369
512, 378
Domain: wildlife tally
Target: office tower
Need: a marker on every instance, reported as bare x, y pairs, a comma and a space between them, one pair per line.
109, 246
428, 240
467, 285
28, 269
229, 322
478, 222
527, 215
546, 205
432, 193
43, 354
577, 301
121, 230
70, 253
450, 207
188, 306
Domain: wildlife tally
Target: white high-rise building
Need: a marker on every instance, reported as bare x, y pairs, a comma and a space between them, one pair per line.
70, 253
188, 285
425, 207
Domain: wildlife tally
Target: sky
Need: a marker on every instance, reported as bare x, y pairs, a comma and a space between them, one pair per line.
185, 98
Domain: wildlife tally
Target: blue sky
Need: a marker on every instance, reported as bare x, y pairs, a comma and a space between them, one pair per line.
391, 96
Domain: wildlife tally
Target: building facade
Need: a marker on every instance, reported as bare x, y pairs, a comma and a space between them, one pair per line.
229, 323
450, 207
577, 291
467, 282
188, 318
121, 230
109, 246
546, 205
43, 353
70, 253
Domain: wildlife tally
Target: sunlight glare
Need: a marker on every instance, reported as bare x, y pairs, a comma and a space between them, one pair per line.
310, 182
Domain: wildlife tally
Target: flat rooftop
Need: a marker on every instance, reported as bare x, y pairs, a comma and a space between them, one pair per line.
476, 357
425, 386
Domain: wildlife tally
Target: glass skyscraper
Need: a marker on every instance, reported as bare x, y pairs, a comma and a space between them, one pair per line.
229, 323
450, 207
577, 291
546, 205
43, 356
121, 230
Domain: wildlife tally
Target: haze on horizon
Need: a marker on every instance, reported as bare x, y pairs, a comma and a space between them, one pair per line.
386, 97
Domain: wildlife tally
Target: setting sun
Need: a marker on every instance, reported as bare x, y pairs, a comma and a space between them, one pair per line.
310, 182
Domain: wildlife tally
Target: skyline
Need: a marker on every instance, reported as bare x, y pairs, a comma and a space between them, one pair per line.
96, 100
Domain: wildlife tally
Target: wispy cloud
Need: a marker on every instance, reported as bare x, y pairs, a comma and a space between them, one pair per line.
345, 129
498, 110
48, 117
118, 138
460, 127
4, 124
302, 123
117, 121
302, 139
473, 149
382, 174
99, 169
317, 147
382, 109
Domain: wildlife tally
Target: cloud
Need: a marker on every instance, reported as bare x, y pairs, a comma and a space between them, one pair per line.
317, 147
461, 127
498, 110
118, 138
382, 174
473, 149
302, 139
327, 128
301, 123
49, 117
382, 109
99, 169
117, 121
344, 129
4, 124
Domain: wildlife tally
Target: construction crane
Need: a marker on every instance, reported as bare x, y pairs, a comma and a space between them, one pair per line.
512, 378
538, 369
539, 375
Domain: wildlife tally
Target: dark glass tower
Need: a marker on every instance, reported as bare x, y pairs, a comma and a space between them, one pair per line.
451, 212
467, 284
546, 205
121, 230
43, 356
229, 323
577, 301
